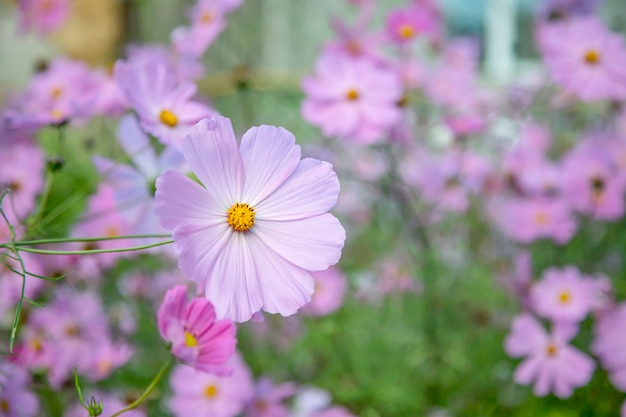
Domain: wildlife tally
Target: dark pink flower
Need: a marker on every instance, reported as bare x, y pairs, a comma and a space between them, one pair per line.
196, 337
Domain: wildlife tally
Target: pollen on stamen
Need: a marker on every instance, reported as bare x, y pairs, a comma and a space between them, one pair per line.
168, 118
206, 18
240, 217
352, 94
551, 349
190, 340
210, 391
592, 57
565, 297
406, 31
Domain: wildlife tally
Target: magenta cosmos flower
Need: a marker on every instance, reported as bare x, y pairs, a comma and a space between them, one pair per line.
258, 223
550, 362
195, 336
352, 98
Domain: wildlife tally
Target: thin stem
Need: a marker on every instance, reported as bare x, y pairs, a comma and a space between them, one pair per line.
148, 390
92, 252
85, 239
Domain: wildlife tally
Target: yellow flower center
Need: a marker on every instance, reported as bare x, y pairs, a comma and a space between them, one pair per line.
190, 340
168, 118
551, 349
406, 31
56, 114
240, 217
4, 406
210, 391
541, 218
112, 231
565, 297
56, 92
592, 57
206, 18
352, 94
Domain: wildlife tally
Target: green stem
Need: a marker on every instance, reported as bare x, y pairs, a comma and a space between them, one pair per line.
90, 252
85, 239
148, 390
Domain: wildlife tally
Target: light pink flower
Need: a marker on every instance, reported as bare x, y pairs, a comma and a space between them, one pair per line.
528, 219
16, 400
609, 345
563, 295
42, 15
164, 105
198, 394
330, 286
268, 399
585, 58
352, 98
106, 357
195, 336
259, 226
549, 362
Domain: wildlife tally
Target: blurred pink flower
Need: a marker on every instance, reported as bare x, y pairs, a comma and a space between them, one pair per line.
609, 345
22, 171
563, 295
585, 58
528, 219
268, 399
549, 362
352, 98
405, 25
163, 103
330, 287
11, 282
334, 411
198, 394
195, 336
16, 400
42, 15
106, 357
592, 182
259, 226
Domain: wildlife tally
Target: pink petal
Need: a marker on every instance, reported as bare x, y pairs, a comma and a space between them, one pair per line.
198, 247
312, 244
136, 144
232, 284
180, 201
311, 190
211, 151
269, 156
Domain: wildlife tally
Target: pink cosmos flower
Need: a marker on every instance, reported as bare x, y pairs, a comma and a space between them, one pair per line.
592, 182
609, 345
164, 105
198, 394
563, 295
404, 25
330, 286
106, 357
549, 362
133, 185
42, 15
268, 399
259, 226
195, 336
352, 98
528, 219
585, 58
356, 41
11, 283
16, 400
21, 170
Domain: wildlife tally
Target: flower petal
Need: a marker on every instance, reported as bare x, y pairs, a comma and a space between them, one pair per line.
311, 190
136, 145
211, 151
232, 284
313, 244
269, 156
198, 247
179, 201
